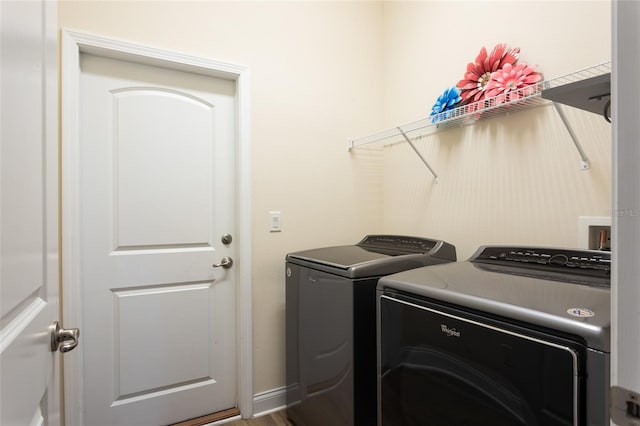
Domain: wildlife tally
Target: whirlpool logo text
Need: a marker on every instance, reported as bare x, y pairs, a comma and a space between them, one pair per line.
450, 332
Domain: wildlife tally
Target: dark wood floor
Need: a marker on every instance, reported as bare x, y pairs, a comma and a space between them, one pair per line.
278, 418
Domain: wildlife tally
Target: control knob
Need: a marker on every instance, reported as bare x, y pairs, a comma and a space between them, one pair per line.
558, 260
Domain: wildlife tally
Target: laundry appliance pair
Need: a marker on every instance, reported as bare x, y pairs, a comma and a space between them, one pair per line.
512, 336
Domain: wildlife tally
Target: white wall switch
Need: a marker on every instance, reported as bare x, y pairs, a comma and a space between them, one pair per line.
275, 221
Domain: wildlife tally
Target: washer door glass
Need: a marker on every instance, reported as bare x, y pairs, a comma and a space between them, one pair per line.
440, 366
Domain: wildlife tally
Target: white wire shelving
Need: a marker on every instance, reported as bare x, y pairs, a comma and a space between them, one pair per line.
523, 99
584, 74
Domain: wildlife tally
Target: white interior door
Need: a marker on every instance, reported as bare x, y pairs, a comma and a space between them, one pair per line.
29, 213
156, 198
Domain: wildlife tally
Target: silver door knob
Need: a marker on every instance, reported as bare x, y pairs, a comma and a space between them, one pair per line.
66, 339
226, 263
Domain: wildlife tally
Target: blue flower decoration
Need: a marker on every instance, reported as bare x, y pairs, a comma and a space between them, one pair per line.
445, 102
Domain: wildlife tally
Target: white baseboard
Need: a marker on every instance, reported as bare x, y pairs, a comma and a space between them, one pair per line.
268, 401
263, 404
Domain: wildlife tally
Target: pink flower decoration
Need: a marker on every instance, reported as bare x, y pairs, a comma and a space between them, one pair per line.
512, 81
478, 74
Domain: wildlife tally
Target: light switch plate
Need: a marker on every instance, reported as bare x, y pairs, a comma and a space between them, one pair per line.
275, 221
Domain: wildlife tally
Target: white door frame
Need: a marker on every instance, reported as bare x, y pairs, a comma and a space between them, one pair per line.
625, 291
73, 44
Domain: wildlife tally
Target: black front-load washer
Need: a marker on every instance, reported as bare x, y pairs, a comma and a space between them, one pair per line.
331, 324
513, 337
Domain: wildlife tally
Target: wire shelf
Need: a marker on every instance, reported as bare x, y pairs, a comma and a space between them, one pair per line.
590, 72
588, 90
522, 99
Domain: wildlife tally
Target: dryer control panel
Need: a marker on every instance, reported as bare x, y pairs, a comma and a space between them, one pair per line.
590, 263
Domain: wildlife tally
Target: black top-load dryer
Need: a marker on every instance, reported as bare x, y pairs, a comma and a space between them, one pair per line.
516, 336
331, 324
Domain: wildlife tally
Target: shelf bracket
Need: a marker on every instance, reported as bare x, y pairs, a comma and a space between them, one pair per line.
584, 163
404, 135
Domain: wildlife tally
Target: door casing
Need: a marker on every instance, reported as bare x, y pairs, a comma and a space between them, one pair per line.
73, 44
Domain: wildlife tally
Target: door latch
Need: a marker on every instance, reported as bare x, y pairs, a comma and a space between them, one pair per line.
66, 339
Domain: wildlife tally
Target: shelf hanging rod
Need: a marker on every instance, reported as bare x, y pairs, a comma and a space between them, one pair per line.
584, 164
404, 135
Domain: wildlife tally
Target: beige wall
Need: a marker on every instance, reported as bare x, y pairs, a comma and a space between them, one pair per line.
315, 81
512, 180
323, 72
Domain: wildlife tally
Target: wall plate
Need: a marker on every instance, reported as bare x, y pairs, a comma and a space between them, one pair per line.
589, 229
624, 407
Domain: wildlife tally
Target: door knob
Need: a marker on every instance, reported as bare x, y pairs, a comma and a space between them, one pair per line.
64, 338
226, 262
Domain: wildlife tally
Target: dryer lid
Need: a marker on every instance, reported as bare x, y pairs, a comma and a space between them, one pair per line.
376, 255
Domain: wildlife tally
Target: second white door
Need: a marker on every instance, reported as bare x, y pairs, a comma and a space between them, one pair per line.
157, 196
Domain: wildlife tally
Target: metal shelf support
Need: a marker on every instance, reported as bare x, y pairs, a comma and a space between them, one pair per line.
584, 163
406, 138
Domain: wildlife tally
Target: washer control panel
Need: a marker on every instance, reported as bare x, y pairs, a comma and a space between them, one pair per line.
398, 242
578, 262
